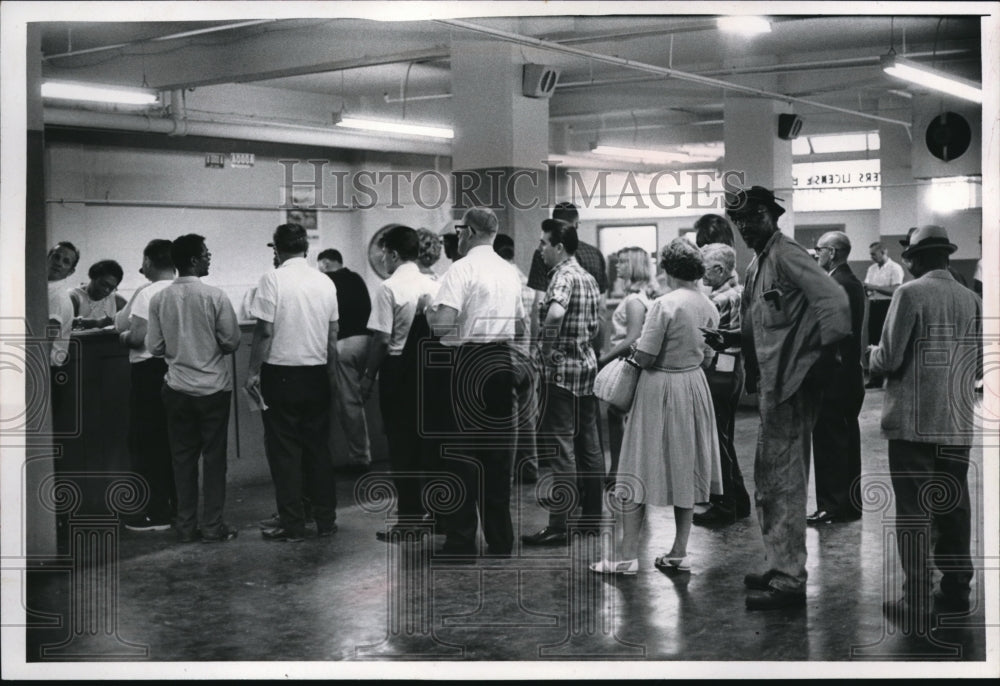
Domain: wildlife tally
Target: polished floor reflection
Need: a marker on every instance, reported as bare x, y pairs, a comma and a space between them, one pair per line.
350, 597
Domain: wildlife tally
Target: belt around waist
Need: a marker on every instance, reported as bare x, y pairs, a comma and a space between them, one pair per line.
676, 371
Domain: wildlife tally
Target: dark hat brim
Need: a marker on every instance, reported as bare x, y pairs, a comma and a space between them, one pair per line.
941, 244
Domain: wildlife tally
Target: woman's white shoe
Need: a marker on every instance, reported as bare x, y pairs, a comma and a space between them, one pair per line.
627, 567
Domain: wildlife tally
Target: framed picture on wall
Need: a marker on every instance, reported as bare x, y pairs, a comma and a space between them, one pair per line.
301, 212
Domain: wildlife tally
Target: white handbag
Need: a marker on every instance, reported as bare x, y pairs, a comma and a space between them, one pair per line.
615, 383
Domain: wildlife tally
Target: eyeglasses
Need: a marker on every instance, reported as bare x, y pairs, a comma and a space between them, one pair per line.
459, 227
825, 247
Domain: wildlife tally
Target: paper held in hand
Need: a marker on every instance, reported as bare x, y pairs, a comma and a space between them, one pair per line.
257, 403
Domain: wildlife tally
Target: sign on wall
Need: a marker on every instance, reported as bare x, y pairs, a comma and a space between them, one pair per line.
831, 186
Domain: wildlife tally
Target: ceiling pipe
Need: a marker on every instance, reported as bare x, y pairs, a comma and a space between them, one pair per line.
654, 69
269, 132
172, 36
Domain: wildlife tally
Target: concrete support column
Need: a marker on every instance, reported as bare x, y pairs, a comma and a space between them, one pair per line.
899, 193
750, 135
501, 140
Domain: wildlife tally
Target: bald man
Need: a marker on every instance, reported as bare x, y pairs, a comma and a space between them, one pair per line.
837, 435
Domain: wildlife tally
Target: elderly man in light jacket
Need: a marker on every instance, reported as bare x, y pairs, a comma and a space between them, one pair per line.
931, 352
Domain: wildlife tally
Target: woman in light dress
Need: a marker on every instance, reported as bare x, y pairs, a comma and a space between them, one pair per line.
670, 452
633, 266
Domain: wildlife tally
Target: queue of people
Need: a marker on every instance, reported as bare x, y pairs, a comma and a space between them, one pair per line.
483, 386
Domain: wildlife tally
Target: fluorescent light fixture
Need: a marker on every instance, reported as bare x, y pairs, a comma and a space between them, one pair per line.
395, 127
745, 26
699, 153
932, 78
98, 93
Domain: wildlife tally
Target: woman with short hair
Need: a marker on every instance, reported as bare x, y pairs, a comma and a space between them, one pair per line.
671, 447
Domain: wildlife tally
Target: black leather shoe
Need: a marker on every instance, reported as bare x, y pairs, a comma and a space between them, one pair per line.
546, 536
952, 603
396, 533
822, 517
224, 533
774, 599
279, 534
454, 556
714, 516
188, 536
903, 610
758, 582
325, 530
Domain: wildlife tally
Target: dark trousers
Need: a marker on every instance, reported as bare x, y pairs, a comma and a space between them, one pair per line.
616, 436
837, 445
148, 440
726, 388
917, 470
198, 428
527, 412
399, 407
296, 440
478, 447
569, 423
877, 311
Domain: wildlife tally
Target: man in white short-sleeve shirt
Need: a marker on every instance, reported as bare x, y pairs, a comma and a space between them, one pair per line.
882, 279
395, 359
478, 312
148, 440
293, 367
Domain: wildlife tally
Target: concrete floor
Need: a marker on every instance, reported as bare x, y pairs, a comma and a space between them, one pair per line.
350, 597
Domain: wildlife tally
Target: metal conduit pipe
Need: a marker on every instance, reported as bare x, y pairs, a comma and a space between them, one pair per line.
272, 133
654, 69
172, 36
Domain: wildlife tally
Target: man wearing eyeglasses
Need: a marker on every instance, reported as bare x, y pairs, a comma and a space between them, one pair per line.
477, 313
837, 436
193, 327
792, 318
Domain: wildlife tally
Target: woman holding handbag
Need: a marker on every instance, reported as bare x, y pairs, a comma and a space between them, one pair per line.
633, 266
670, 444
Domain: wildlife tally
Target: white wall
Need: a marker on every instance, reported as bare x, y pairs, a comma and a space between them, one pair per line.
237, 237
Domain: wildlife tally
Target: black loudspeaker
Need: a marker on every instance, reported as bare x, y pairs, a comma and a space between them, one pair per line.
789, 126
539, 81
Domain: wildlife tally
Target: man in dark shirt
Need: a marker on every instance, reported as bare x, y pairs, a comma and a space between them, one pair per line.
837, 435
352, 347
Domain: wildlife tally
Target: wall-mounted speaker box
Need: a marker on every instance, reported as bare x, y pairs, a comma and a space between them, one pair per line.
947, 138
789, 126
539, 81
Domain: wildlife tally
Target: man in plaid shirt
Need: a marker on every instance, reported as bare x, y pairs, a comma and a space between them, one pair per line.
568, 320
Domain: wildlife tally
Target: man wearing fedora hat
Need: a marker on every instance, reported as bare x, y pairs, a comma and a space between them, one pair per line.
931, 343
792, 318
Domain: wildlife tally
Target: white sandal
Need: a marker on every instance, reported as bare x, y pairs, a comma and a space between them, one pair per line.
626, 567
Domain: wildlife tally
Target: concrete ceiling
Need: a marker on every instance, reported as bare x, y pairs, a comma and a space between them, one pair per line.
369, 68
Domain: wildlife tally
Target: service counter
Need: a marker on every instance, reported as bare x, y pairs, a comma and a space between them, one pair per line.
91, 419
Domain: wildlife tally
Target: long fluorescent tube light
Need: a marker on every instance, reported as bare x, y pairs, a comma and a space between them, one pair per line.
96, 93
395, 127
746, 26
932, 78
647, 156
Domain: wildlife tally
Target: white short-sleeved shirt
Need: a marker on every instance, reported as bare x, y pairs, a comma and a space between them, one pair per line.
486, 292
395, 303
60, 309
300, 302
140, 310
889, 274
